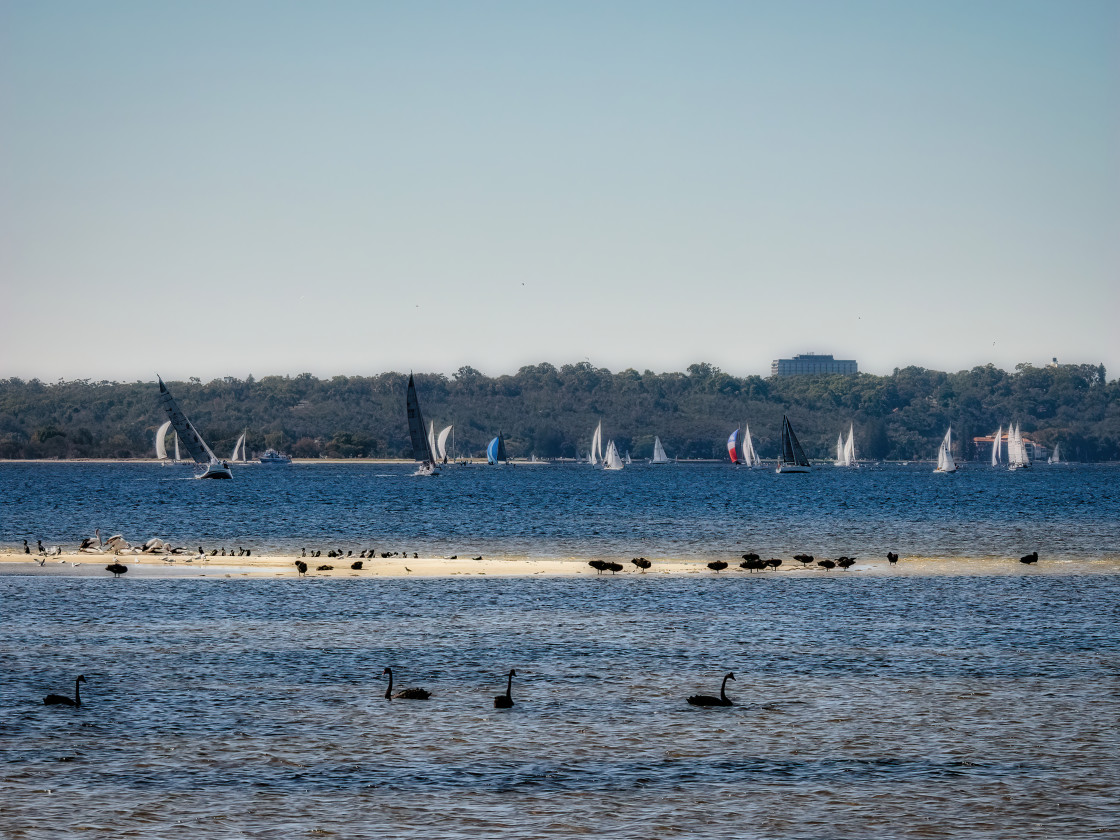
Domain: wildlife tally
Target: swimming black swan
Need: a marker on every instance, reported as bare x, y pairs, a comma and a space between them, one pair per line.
117, 569
1029, 558
708, 700
406, 694
892, 558
505, 701
641, 562
62, 699
717, 565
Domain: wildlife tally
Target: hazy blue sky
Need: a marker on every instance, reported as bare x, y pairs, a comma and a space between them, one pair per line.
225, 188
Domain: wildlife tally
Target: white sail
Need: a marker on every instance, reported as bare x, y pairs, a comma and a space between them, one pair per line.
596, 454
1016, 449
627, 460
177, 458
432, 438
611, 461
840, 451
441, 442
945, 462
161, 446
239, 449
1054, 458
850, 447
750, 457
659, 456
995, 447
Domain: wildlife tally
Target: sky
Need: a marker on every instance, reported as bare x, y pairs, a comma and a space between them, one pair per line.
230, 188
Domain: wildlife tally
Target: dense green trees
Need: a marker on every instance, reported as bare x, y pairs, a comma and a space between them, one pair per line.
551, 411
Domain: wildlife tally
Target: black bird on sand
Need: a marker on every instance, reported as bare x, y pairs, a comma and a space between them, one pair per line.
1029, 558
845, 562
324, 568
752, 564
827, 564
404, 694
751, 556
641, 562
62, 699
774, 562
599, 566
117, 569
892, 558
613, 567
803, 559
717, 565
301, 567
26, 549
709, 700
505, 701
357, 565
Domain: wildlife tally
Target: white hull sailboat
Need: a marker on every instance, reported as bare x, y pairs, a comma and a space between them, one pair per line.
945, 462
1054, 457
659, 456
611, 460
192, 440
421, 446
792, 458
1017, 458
846, 449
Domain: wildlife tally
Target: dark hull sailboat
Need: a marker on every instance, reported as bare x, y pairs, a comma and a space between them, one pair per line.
192, 440
421, 446
792, 458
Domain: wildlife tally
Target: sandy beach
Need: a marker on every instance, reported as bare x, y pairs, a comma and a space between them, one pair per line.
75, 564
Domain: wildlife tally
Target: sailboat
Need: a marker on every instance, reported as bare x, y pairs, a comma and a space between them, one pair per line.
659, 456
945, 462
1054, 458
840, 451
733, 446
995, 447
196, 446
239, 449
850, 448
421, 449
161, 438
1017, 458
750, 457
441, 443
596, 453
626, 460
792, 458
496, 451
611, 461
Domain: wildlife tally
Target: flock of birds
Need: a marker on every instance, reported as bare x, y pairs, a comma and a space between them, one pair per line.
501, 701
754, 563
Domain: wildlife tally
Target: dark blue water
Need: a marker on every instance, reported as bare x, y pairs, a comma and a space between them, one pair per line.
868, 706
681, 510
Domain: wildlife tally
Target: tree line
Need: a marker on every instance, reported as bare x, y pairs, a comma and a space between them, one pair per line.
551, 412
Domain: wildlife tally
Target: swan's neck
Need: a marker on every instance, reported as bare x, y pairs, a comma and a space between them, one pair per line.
389, 690
77, 692
509, 686
723, 689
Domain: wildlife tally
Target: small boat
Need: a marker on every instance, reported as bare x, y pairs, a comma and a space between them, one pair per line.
995, 447
626, 459
945, 462
196, 446
792, 458
239, 450
421, 448
611, 461
271, 456
659, 456
441, 443
846, 449
750, 457
496, 451
1017, 458
1054, 457
161, 436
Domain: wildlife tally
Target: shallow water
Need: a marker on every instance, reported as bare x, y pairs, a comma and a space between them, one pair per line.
963, 706
679, 510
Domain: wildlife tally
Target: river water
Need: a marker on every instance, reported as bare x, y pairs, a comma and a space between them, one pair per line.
893, 706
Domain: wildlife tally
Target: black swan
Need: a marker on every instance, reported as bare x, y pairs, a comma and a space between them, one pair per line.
641, 562
1029, 558
301, 567
750, 555
845, 562
324, 568
62, 699
599, 566
774, 562
405, 694
357, 564
892, 558
827, 564
117, 569
708, 700
613, 567
505, 701
753, 564
803, 559
717, 565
